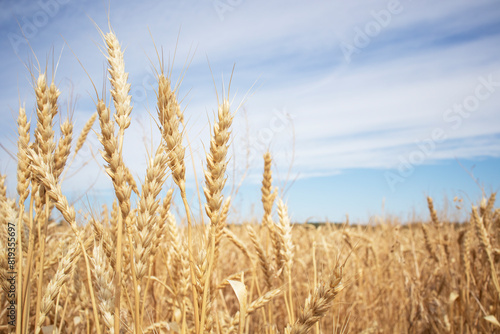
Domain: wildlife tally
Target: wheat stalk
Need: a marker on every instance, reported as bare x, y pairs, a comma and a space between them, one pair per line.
169, 114
44, 145
122, 102
115, 169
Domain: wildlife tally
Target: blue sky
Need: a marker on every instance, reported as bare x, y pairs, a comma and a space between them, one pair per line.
367, 106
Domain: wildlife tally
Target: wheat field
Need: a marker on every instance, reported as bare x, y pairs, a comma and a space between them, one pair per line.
136, 267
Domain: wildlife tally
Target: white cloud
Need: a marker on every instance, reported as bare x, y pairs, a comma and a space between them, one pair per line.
347, 115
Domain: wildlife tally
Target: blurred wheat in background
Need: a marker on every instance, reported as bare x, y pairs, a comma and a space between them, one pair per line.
135, 268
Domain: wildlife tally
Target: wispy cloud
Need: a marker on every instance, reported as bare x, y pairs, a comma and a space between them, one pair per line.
367, 111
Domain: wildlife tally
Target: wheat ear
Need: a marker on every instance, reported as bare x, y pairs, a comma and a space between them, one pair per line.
63, 148
147, 219
103, 279
318, 303
255, 305
3, 189
284, 229
23, 170
81, 140
261, 254
44, 133
429, 245
437, 226
268, 195
432, 210
238, 243
488, 211
84, 133
118, 78
23, 181
54, 93
168, 109
162, 223
55, 285
102, 236
215, 180
219, 233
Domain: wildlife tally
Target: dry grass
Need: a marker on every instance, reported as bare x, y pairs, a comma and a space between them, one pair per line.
134, 269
